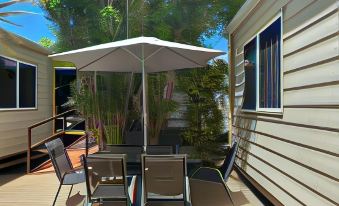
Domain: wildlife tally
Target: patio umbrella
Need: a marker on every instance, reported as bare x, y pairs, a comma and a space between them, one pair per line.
139, 55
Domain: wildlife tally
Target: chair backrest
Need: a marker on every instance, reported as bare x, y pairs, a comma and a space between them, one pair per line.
227, 167
133, 152
159, 150
59, 157
105, 169
164, 177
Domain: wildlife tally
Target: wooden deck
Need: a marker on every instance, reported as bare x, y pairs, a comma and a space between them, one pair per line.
39, 189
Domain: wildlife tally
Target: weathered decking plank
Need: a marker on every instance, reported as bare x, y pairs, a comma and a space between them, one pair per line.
39, 189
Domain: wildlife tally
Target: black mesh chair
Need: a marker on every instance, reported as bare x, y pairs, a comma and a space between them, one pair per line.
228, 164
159, 149
106, 180
164, 179
64, 170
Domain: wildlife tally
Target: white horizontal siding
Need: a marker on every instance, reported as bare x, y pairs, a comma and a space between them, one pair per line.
320, 95
297, 190
312, 55
323, 73
324, 140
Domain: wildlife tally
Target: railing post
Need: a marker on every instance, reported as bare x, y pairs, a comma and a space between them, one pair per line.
64, 123
29, 150
86, 149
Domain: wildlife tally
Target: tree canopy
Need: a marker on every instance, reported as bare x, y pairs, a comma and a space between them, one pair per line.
81, 23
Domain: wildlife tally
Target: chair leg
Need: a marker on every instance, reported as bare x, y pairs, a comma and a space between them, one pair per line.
69, 194
56, 196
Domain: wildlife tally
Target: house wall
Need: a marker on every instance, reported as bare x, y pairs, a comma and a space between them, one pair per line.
294, 155
14, 123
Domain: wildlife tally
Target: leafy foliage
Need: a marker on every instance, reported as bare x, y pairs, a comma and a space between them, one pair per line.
46, 42
159, 107
103, 106
81, 23
206, 89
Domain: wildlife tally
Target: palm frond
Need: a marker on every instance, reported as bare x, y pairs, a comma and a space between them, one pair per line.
14, 13
8, 3
9, 22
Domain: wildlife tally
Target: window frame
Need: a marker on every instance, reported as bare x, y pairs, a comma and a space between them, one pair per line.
257, 36
18, 108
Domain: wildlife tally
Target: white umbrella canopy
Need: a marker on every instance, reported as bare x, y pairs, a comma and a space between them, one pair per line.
139, 55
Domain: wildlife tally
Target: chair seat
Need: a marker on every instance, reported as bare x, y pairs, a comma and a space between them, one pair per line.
165, 203
116, 192
208, 193
75, 177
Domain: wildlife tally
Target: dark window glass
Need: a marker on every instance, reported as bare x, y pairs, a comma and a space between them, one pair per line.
27, 85
250, 75
269, 72
7, 83
63, 81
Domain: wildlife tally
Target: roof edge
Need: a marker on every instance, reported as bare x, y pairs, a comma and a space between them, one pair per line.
22, 41
243, 12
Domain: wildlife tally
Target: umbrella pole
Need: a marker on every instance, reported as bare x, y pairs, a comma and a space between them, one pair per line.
144, 98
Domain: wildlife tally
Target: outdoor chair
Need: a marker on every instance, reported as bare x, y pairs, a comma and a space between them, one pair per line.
64, 170
133, 152
227, 166
207, 187
164, 180
106, 180
159, 150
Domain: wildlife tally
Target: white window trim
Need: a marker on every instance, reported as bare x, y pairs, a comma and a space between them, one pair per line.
259, 109
17, 108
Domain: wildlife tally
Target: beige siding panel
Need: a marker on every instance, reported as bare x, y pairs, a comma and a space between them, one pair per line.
13, 50
239, 71
322, 184
257, 21
315, 75
313, 34
306, 14
21, 137
273, 189
240, 80
297, 190
294, 6
317, 160
14, 123
20, 147
317, 117
5, 117
324, 140
321, 95
313, 54
240, 88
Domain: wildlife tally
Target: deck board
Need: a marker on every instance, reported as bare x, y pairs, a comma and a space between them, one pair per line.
39, 189
36, 189
241, 194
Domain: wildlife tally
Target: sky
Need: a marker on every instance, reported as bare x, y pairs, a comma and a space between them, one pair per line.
36, 26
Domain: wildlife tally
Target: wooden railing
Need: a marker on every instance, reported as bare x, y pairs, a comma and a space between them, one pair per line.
53, 136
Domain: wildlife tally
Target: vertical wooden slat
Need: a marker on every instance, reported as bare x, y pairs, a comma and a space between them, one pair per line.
29, 144
231, 87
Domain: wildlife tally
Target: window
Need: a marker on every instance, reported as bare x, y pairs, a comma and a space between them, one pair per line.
17, 84
250, 59
262, 65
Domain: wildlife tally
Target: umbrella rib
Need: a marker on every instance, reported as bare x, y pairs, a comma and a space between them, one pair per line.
131, 53
184, 57
154, 53
99, 58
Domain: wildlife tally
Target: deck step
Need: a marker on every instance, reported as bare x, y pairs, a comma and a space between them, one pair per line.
20, 160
